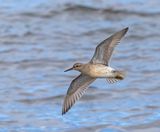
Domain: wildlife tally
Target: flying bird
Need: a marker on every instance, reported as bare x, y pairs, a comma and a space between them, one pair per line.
97, 67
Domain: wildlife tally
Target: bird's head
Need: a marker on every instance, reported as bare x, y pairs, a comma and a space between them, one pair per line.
76, 66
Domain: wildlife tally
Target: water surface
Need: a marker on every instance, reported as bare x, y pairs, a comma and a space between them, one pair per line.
40, 39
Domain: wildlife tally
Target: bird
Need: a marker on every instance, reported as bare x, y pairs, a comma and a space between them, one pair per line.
97, 67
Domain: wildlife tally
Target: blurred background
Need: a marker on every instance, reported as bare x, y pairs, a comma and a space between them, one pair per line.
40, 39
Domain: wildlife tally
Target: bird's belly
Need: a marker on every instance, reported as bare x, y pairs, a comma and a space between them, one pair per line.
100, 72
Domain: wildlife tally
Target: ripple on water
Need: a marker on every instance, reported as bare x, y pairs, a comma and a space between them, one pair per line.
40, 39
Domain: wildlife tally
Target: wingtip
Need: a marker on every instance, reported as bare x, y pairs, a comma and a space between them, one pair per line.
126, 29
63, 112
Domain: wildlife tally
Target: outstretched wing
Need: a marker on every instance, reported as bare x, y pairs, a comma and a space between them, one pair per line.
105, 48
76, 90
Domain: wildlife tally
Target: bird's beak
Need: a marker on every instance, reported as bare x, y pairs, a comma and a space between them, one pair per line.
68, 69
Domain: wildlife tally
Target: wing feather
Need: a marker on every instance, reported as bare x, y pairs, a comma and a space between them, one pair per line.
77, 88
105, 48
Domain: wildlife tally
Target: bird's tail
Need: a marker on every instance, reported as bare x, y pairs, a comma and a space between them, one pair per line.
120, 75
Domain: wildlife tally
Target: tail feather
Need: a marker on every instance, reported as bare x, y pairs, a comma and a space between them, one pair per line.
111, 80
120, 75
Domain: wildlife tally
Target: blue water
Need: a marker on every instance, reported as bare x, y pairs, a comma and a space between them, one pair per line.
40, 39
